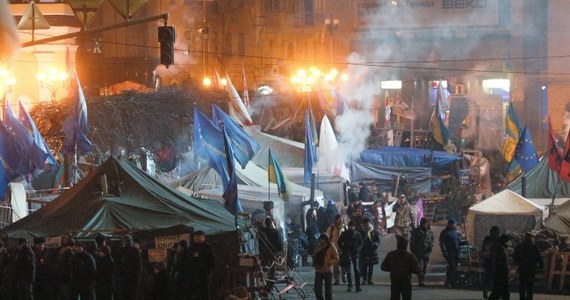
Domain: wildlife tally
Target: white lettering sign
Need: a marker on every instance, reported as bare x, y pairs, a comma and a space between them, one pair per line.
166, 242
53, 242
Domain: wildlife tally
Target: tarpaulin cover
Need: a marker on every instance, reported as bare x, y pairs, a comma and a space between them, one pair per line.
287, 152
508, 210
541, 182
135, 201
441, 162
419, 178
561, 220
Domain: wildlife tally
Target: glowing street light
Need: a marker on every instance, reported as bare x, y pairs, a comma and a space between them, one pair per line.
53, 80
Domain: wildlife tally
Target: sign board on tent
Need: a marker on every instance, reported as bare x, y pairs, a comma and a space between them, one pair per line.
53, 242
168, 241
157, 255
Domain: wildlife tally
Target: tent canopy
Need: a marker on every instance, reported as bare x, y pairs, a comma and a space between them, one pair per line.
508, 210
441, 162
541, 182
420, 178
287, 152
135, 201
560, 221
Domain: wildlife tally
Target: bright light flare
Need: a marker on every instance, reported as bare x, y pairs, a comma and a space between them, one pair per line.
223, 81
207, 82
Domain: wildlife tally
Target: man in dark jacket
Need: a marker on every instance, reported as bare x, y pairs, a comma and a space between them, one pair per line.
500, 258
41, 285
82, 273
369, 252
24, 271
401, 264
528, 258
128, 263
449, 243
363, 194
486, 257
421, 244
180, 270
350, 244
201, 265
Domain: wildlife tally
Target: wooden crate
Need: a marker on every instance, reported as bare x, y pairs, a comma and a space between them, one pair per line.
558, 267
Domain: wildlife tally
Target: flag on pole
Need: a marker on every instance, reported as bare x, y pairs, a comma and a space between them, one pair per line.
245, 91
230, 195
387, 110
329, 100
314, 132
440, 131
237, 103
330, 159
12, 164
310, 150
276, 176
20, 136
525, 154
513, 130
554, 152
244, 146
39, 141
209, 144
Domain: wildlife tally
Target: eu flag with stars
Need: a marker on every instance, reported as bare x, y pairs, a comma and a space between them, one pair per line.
243, 145
20, 136
525, 153
75, 126
209, 145
231, 191
40, 149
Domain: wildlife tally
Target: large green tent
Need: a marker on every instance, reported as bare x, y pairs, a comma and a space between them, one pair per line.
541, 182
118, 197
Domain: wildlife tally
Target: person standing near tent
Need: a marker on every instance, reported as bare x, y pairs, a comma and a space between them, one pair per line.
502, 268
312, 229
128, 263
486, 257
41, 287
528, 259
5, 262
24, 271
369, 252
180, 271
201, 265
404, 216
363, 193
82, 273
334, 232
270, 245
421, 245
325, 256
449, 243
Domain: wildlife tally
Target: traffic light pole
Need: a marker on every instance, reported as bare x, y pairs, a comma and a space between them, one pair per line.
163, 17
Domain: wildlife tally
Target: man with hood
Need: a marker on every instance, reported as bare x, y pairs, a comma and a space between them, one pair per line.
325, 256
449, 243
350, 244
486, 257
421, 244
202, 262
401, 264
500, 259
180, 271
528, 259
128, 265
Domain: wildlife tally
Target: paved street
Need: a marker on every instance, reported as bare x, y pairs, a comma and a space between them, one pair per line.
434, 280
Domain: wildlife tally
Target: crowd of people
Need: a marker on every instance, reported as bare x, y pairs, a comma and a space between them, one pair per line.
71, 272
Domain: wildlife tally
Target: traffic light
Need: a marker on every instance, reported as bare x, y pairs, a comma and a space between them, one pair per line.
166, 37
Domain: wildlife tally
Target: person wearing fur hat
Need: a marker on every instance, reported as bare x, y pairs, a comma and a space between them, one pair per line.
324, 258
401, 264
421, 244
449, 243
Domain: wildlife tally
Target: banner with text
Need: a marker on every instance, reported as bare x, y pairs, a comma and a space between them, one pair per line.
167, 242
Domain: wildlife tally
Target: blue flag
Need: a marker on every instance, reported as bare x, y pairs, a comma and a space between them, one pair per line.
310, 150
11, 161
209, 145
275, 175
525, 152
244, 146
75, 126
20, 136
230, 195
41, 148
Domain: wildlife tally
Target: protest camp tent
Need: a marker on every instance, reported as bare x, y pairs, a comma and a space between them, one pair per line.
560, 221
541, 182
289, 153
508, 210
119, 197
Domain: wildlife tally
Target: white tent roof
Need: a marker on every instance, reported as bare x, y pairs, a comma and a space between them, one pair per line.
506, 202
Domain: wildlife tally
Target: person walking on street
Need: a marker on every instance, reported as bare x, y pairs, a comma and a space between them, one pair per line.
401, 264
421, 245
334, 232
369, 252
486, 257
350, 244
528, 259
324, 258
449, 243
404, 221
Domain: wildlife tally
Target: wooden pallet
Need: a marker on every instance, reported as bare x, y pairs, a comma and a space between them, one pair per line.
558, 267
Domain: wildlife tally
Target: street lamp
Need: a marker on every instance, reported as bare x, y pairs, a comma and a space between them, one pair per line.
331, 25
6, 84
52, 81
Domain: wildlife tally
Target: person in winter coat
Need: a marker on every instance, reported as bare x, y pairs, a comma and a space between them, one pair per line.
528, 259
180, 270
24, 271
449, 243
500, 259
350, 244
486, 257
401, 264
202, 262
405, 219
421, 245
82, 273
325, 256
369, 252
334, 232
105, 265
128, 265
